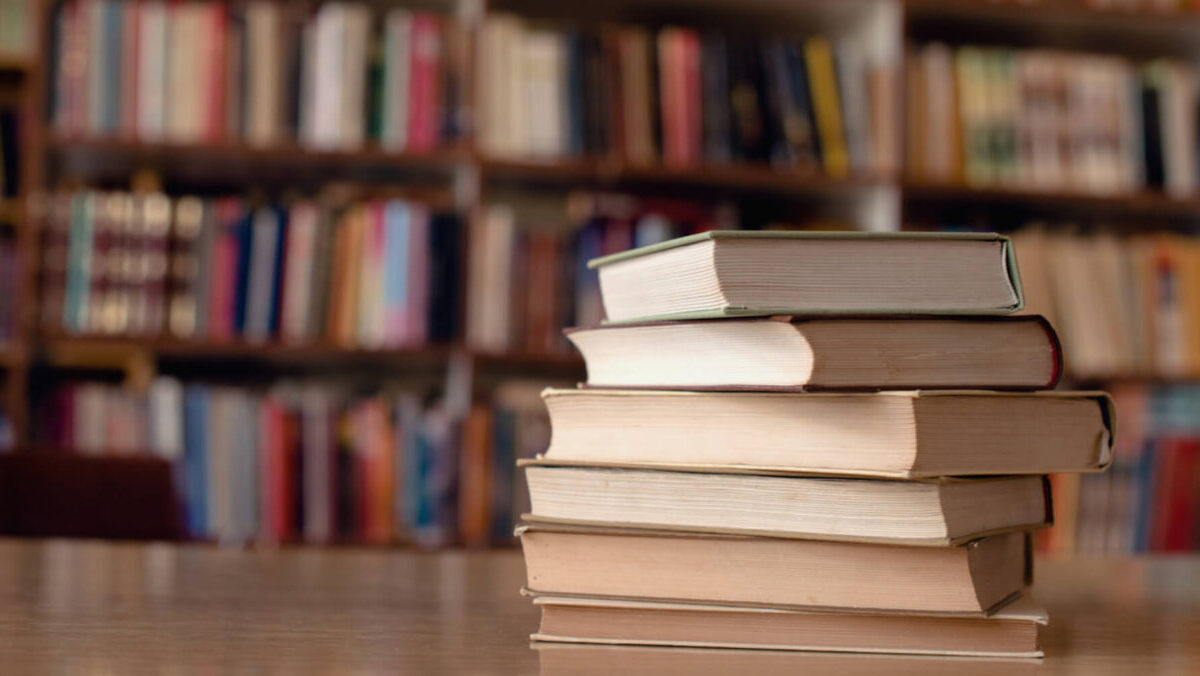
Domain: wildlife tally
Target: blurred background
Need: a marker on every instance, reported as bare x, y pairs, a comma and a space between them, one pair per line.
295, 272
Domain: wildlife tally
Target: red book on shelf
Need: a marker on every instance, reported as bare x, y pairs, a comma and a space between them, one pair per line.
130, 54
1162, 484
672, 94
1179, 529
423, 82
689, 58
223, 276
273, 479
380, 486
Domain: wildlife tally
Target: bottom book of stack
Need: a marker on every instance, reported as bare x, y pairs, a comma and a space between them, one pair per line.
613, 585
1011, 632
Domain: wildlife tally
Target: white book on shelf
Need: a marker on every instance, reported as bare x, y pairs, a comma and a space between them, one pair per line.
493, 90
263, 73
165, 404
326, 100
1180, 130
355, 42
490, 279
515, 79
184, 100
545, 58
397, 40
852, 85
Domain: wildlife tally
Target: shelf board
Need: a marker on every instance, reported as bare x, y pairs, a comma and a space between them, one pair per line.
1144, 202
73, 349
220, 159
1066, 24
726, 177
15, 63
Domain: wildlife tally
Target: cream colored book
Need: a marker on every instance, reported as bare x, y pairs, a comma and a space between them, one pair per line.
1014, 631
738, 273
903, 434
934, 513
974, 579
810, 353
581, 659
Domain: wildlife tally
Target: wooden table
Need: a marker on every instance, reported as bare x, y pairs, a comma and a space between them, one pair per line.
88, 607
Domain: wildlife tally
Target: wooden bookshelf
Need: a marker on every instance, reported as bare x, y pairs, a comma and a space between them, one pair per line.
53, 160
726, 178
1141, 203
80, 350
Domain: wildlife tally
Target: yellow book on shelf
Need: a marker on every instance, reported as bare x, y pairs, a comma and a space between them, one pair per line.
827, 107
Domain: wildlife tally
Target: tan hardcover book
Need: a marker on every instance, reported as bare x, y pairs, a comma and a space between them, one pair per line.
738, 273
602, 660
974, 579
1014, 631
937, 513
812, 353
895, 434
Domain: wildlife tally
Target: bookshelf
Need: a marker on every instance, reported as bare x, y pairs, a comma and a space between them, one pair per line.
465, 176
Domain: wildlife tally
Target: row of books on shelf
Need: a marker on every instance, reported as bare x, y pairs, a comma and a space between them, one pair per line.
683, 97
1124, 305
529, 277
262, 72
314, 463
1045, 120
1150, 501
373, 274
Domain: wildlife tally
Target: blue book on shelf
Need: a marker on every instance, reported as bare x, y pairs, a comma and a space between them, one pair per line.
195, 458
113, 44
79, 262
1143, 488
277, 270
397, 234
504, 430
244, 231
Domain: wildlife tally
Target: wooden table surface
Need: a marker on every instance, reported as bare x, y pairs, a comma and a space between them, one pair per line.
101, 608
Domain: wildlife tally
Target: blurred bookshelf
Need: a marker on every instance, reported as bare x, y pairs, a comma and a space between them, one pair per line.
526, 137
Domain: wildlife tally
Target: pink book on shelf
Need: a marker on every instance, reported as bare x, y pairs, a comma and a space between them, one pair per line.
224, 271
371, 307
214, 73
423, 82
130, 54
417, 307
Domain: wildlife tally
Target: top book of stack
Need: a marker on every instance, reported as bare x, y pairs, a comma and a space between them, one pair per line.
728, 273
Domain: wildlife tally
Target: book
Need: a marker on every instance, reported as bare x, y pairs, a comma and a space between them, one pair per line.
1013, 631
579, 659
723, 273
896, 434
973, 579
806, 353
939, 512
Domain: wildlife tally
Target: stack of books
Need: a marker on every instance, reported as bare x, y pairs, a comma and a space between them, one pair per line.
773, 445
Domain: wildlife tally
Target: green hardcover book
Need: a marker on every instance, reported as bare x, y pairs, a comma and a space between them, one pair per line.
763, 273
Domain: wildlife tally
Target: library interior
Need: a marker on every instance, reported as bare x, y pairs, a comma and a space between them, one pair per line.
293, 293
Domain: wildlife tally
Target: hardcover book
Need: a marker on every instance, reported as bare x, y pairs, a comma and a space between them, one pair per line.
744, 273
